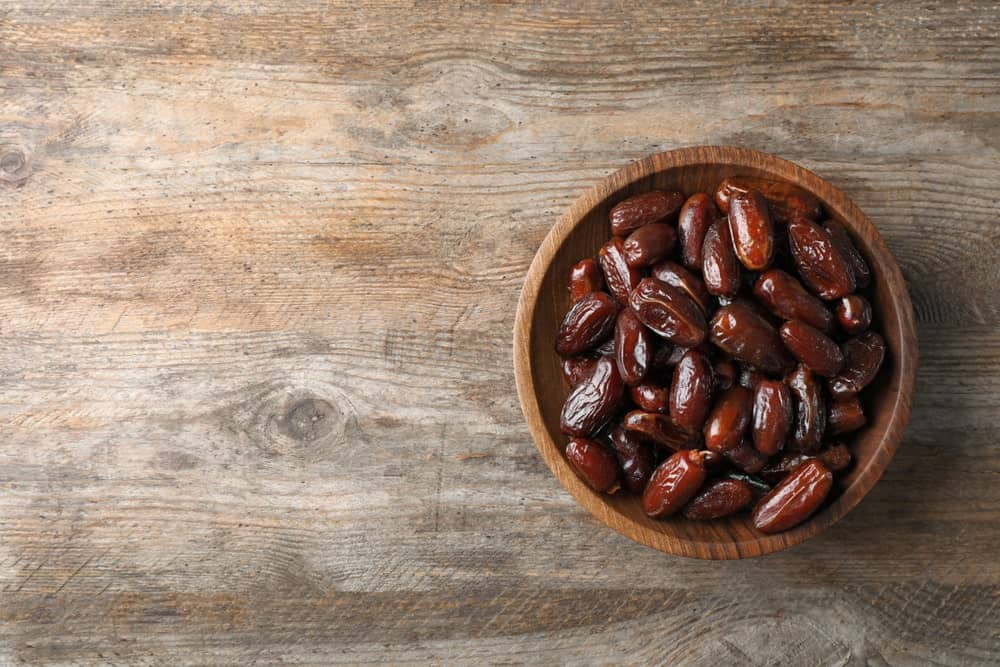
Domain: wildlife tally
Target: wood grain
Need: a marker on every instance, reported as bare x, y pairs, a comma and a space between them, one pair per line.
258, 273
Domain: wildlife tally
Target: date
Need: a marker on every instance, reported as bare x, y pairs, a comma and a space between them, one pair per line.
594, 464
745, 457
588, 323
854, 314
845, 415
650, 397
822, 265
785, 297
697, 215
649, 207
633, 348
772, 416
725, 375
812, 347
649, 244
634, 459
620, 278
669, 312
794, 499
691, 391
659, 429
810, 409
577, 369
836, 458
786, 201
584, 277
751, 229
718, 499
842, 239
674, 483
728, 421
863, 358
720, 266
674, 274
594, 401
748, 337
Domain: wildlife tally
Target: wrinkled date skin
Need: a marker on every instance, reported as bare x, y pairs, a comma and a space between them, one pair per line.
746, 458
669, 312
748, 337
588, 323
620, 278
841, 239
650, 397
863, 357
659, 429
674, 274
772, 416
674, 483
854, 314
729, 419
649, 207
594, 401
718, 499
786, 201
795, 499
649, 244
691, 391
584, 277
836, 458
578, 369
845, 416
812, 347
725, 375
810, 409
634, 457
594, 464
633, 348
696, 217
751, 229
785, 297
822, 265
720, 266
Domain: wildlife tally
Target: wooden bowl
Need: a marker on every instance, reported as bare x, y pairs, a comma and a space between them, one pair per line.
542, 390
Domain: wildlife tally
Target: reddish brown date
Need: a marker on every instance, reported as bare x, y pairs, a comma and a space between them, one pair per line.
810, 409
720, 267
812, 347
746, 458
674, 274
669, 312
822, 265
584, 277
845, 416
696, 217
795, 499
578, 369
751, 229
620, 278
841, 239
785, 296
634, 458
728, 421
594, 401
659, 429
718, 499
836, 458
674, 483
854, 314
748, 337
594, 464
649, 207
633, 348
786, 201
649, 244
725, 375
650, 397
691, 391
772, 416
863, 357
588, 323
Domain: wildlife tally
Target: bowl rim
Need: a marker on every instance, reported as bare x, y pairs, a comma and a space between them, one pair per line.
904, 371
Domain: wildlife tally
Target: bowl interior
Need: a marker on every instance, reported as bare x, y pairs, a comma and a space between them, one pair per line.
583, 231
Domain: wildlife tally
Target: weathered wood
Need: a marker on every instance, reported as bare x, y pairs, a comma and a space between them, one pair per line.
257, 285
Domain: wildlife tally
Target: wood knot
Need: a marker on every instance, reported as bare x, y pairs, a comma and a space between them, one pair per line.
15, 163
309, 419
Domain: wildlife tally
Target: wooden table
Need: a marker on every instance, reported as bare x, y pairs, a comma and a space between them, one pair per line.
259, 265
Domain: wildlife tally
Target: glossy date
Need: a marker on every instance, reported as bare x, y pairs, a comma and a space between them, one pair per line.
720, 267
588, 323
594, 464
584, 277
822, 265
728, 421
674, 483
794, 499
620, 278
669, 312
633, 348
785, 297
649, 244
812, 347
649, 207
697, 215
691, 391
773, 412
863, 358
748, 337
718, 499
751, 229
594, 401
810, 409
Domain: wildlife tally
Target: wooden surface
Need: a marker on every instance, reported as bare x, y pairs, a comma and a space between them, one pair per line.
544, 301
258, 273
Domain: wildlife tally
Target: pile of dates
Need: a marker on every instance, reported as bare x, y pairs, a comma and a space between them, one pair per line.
716, 349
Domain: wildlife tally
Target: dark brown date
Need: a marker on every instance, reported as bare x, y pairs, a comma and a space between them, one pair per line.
812, 347
720, 267
669, 312
650, 397
854, 314
836, 458
594, 464
718, 499
691, 391
786, 201
751, 229
785, 296
795, 499
674, 274
620, 278
649, 244
841, 239
725, 375
772, 416
594, 401
633, 348
845, 415
750, 378
634, 458
674, 483
584, 277
748, 337
728, 421
665, 356
696, 217
863, 357
588, 323
659, 429
822, 265
653, 206
578, 369
810, 409
746, 457
606, 348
